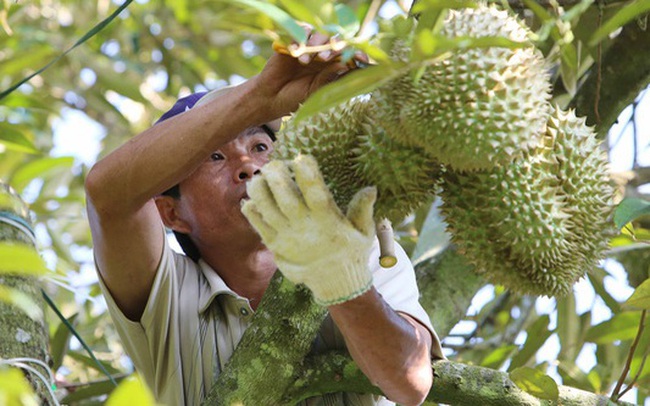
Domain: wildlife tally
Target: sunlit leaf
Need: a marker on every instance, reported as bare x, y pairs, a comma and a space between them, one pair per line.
14, 140
15, 390
622, 326
630, 208
497, 357
622, 17
59, 342
38, 168
22, 301
131, 391
354, 84
21, 259
279, 16
537, 334
640, 299
536, 383
300, 11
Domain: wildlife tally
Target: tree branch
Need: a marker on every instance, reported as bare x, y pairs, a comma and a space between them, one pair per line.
625, 73
454, 384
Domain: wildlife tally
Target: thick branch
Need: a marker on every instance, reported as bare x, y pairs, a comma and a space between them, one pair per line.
454, 384
447, 285
269, 354
20, 336
625, 72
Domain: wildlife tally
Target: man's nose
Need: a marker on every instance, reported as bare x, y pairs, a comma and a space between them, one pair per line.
247, 169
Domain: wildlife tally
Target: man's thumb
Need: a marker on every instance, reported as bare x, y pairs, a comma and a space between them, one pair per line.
360, 210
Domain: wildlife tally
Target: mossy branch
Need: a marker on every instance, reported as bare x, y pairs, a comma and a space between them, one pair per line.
270, 353
454, 384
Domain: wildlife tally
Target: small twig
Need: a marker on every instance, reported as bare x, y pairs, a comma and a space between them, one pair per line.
598, 67
615, 394
370, 15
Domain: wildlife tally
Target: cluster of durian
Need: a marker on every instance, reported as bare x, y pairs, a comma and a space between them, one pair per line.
525, 189
537, 224
352, 153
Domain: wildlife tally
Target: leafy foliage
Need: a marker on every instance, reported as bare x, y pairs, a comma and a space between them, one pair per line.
132, 69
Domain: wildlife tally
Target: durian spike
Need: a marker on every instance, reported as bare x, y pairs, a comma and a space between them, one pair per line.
387, 257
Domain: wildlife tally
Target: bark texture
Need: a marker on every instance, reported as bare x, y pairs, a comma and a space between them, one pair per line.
454, 384
269, 357
20, 336
624, 73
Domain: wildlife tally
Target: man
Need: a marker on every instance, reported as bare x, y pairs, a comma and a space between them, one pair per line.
180, 319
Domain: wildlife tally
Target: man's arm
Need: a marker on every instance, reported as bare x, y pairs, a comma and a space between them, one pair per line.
392, 349
125, 225
315, 244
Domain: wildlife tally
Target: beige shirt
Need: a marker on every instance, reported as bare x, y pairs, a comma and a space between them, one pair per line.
193, 321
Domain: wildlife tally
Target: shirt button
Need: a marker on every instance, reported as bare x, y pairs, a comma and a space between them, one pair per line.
243, 311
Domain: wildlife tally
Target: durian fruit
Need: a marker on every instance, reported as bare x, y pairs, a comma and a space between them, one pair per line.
539, 223
353, 152
478, 107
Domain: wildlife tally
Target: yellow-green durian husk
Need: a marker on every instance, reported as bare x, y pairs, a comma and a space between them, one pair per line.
353, 152
477, 108
331, 137
539, 223
406, 177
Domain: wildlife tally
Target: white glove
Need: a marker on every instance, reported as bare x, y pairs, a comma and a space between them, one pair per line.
312, 241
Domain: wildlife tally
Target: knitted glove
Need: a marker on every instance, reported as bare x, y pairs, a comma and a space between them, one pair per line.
312, 241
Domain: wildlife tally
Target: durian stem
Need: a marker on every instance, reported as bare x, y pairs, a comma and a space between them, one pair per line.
387, 257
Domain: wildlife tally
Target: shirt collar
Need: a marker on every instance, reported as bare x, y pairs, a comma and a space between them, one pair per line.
216, 286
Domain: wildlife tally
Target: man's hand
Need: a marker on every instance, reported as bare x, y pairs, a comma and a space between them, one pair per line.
312, 241
287, 81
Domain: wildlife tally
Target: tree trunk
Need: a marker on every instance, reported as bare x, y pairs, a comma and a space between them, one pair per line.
20, 335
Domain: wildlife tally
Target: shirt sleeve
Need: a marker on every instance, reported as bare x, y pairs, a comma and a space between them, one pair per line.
398, 286
151, 342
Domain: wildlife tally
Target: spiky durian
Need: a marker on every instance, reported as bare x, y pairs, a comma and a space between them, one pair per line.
352, 152
477, 108
539, 223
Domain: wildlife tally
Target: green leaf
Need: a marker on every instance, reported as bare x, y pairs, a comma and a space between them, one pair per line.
38, 168
93, 390
15, 390
22, 301
640, 299
596, 279
569, 67
21, 259
93, 363
354, 84
59, 342
131, 391
497, 357
13, 139
622, 17
300, 11
537, 334
622, 326
536, 383
348, 22
279, 16
631, 208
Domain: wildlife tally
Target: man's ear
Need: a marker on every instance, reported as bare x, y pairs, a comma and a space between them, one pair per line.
169, 213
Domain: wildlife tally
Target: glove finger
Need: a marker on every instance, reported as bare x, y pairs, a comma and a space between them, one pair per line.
259, 192
360, 210
284, 189
266, 232
312, 185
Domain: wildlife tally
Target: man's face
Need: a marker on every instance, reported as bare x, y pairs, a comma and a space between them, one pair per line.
211, 195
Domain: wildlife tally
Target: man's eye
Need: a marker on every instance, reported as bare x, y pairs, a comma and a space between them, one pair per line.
261, 147
216, 156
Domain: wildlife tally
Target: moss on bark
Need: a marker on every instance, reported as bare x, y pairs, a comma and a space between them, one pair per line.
20, 336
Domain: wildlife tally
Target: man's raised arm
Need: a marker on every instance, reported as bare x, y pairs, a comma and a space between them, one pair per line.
126, 228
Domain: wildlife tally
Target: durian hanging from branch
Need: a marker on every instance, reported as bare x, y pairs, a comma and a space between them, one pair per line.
525, 190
